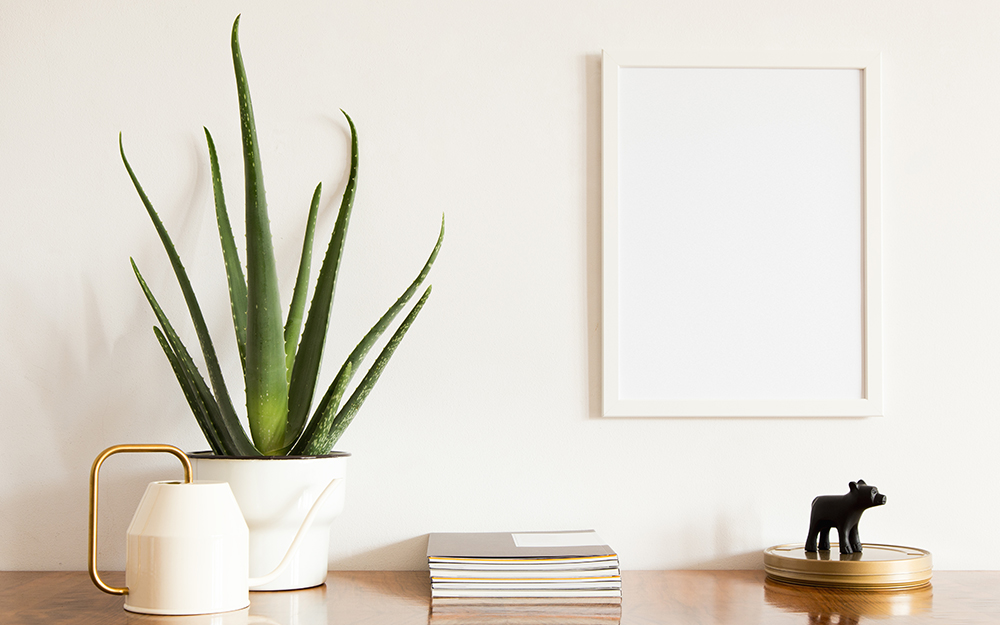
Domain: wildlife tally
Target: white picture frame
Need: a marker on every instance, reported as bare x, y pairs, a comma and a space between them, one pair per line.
741, 235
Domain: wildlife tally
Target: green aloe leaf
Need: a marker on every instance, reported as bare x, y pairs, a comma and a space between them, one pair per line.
326, 412
266, 378
280, 361
231, 435
323, 441
354, 360
234, 270
194, 400
305, 370
293, 325
208, 350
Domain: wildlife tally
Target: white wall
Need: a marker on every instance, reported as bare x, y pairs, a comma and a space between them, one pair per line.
488, 417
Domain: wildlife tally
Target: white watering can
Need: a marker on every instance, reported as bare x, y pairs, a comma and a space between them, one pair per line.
188, 544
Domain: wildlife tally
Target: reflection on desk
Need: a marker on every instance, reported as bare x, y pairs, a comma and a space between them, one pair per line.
301, 607
650, 598
524, 613
847, 607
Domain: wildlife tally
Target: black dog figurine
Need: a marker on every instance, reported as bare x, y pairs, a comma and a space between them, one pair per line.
842, 512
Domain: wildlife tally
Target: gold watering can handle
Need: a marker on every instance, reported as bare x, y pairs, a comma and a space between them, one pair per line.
92, 541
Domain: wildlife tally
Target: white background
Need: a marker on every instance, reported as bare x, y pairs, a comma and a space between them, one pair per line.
740, 231
488, 417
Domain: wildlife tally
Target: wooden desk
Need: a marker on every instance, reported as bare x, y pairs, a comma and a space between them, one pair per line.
403, 598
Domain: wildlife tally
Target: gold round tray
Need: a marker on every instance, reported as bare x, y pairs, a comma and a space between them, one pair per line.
876, 567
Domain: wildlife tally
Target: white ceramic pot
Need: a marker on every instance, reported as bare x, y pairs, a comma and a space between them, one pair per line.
274, 494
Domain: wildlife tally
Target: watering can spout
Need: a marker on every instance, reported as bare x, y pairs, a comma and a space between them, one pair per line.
303, 529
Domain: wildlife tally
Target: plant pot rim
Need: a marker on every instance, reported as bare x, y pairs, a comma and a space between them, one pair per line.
208, 455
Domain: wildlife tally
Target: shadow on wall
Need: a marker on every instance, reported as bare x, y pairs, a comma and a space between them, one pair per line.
383, 558
592, 73
741, 561
414, 550
80, 392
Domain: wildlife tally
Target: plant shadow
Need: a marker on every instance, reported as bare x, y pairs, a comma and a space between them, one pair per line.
384, 557
592, 131
82, 399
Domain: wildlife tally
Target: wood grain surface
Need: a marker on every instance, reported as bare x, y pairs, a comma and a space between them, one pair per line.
403, 598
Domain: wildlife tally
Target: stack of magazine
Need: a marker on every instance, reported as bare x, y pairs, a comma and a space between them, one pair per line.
528, 568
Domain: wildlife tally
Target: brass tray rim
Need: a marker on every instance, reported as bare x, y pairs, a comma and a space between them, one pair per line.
912, 572
841, 585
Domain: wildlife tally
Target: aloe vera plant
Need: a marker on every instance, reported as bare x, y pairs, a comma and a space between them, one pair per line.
280, 355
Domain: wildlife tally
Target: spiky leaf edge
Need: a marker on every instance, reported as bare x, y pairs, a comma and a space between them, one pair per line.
330, 402
305, 370
293, 324
232, 438
193, 398
266, 373
234, 270
323, 442
208, 350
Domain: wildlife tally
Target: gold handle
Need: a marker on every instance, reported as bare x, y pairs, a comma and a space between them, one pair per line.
92, 542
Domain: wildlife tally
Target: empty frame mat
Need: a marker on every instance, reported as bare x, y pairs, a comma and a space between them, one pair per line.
741, 257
